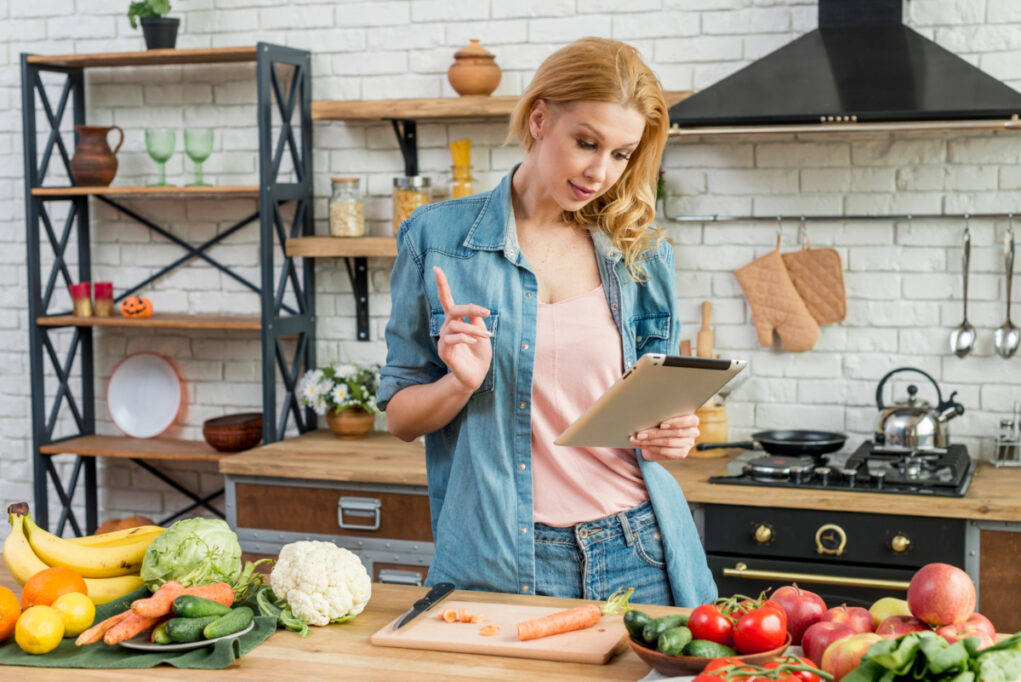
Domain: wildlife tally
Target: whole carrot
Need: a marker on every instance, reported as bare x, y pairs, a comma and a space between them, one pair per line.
562, 621
159, 603
96, 632
128, 628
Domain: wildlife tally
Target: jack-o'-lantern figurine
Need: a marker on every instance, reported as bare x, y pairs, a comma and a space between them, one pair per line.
135, 306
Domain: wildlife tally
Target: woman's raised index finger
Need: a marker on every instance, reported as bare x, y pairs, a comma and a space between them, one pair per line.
443, 289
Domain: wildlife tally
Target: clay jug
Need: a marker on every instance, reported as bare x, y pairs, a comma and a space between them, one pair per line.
474, 71
94, 163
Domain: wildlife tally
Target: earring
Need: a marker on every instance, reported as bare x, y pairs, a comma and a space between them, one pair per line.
535, 134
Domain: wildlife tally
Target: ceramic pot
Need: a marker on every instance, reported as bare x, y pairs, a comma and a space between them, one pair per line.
353, 422
94, 163
160, 32
474, 71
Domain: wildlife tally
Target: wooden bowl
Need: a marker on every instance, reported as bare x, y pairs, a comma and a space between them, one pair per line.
233, 432
677, 666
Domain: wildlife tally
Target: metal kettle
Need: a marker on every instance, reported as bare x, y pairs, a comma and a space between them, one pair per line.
913, 423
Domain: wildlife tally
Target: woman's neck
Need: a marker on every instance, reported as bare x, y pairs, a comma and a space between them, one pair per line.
531, 202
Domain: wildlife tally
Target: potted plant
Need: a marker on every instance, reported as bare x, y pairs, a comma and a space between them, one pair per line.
160, 31
346, 394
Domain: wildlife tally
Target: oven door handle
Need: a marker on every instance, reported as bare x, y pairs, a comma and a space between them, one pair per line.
741, 570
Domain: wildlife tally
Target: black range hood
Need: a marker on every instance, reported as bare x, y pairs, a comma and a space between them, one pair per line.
861, 65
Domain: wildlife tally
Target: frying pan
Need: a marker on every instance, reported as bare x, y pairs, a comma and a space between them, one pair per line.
791, 442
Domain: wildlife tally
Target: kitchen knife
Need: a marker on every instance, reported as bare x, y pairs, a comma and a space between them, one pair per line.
438, 593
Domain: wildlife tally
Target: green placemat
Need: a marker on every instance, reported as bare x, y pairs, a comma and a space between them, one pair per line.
99, 655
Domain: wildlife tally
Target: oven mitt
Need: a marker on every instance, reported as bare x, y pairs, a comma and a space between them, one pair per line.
818, 276
776, 305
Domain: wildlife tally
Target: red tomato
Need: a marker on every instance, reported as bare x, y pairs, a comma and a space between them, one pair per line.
798, 675
761, 630
724, 662
706, 622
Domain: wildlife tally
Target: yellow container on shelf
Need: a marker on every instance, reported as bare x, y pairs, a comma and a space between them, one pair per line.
410, 192
712, 426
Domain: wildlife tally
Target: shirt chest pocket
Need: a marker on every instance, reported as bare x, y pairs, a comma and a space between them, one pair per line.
436, 320
652, 333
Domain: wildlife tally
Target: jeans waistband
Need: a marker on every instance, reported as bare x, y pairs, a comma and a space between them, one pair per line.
622, 523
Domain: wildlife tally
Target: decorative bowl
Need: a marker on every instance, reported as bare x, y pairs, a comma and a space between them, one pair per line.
144, 394
233, 432
677, 666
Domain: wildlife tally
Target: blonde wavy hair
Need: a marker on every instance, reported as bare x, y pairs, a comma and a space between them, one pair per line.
602, 70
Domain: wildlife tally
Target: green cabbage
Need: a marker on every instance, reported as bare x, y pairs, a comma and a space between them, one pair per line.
193, 551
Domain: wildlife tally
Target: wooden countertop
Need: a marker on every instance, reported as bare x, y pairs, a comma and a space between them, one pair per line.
994, 494
344, 652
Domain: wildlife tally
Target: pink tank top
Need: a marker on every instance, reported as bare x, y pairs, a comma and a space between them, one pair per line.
578, 355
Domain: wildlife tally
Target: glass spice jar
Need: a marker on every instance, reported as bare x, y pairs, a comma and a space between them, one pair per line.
347, 212
461, 184
410, 192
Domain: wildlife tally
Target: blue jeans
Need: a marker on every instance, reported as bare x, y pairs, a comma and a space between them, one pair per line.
590, 560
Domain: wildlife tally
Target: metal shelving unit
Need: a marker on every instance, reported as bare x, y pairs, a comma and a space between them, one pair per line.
283, 81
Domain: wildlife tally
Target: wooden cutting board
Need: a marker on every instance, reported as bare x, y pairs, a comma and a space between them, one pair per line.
596, 644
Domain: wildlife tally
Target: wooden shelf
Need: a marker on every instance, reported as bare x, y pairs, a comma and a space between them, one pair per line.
342, 247
171, 190
214, 55
321, 456
137, 448
471, 107
157, 321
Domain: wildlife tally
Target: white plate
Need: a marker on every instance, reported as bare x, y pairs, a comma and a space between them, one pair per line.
144, 395
141, 642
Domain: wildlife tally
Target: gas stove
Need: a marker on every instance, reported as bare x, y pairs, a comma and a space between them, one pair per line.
944, 472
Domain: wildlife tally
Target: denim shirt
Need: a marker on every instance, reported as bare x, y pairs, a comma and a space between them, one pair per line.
479, 465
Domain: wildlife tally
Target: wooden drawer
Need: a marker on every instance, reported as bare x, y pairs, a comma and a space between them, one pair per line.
999, 579
396, 516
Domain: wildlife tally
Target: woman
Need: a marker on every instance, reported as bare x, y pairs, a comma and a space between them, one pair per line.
512, 312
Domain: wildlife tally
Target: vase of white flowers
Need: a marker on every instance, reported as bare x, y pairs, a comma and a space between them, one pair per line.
346, 394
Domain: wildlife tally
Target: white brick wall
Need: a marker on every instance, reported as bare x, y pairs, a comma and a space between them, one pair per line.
903, 279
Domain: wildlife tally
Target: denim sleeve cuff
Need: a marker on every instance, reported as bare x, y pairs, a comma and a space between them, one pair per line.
390, 385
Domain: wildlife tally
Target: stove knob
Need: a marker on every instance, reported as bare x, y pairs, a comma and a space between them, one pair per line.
824, 474
900, 544
849, 476
879, 477
798, 473
763, 534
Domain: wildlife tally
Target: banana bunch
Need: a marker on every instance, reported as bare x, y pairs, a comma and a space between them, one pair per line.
109, 562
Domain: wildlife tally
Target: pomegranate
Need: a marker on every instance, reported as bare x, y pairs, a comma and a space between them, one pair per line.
941, 594
803, 608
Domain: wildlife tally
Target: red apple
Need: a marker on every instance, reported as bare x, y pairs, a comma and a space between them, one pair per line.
819, 636
941, 594
895, 626
803, 608
854, 617
980, 622
843, 656
953, 633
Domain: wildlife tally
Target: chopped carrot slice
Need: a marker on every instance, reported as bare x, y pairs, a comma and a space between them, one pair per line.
489, 630
477, 618
463, 616
449, 615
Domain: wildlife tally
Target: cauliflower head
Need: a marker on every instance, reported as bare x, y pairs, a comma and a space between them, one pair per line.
322, 583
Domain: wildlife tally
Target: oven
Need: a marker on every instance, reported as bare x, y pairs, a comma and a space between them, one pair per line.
844, 557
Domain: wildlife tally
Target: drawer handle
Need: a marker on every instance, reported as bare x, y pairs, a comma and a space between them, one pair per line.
362, 507
741, 570
389, 575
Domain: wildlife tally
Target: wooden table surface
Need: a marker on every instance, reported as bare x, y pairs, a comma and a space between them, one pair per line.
344, 652
382, 458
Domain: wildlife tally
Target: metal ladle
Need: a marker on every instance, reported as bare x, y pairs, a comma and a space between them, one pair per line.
962, 339
1008, 337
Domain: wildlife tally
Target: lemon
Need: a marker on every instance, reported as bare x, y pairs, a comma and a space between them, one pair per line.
39, 630
78, 611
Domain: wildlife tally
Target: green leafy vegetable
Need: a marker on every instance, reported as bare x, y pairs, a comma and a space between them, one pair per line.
271, 605
193, 551
927, 656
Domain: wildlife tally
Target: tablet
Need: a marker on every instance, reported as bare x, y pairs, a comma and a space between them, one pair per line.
655, 388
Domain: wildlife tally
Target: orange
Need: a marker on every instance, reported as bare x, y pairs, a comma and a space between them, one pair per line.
10, 609
43, 588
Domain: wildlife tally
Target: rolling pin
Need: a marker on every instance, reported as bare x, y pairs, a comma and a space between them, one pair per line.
704, 340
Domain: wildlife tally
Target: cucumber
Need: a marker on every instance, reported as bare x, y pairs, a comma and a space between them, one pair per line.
674, 640
190, 606
703, 648
657, 626
160, 636
635, 621
235, 621
188, 629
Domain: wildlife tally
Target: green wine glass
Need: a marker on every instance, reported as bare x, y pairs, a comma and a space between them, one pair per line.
159, 142
198, 145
